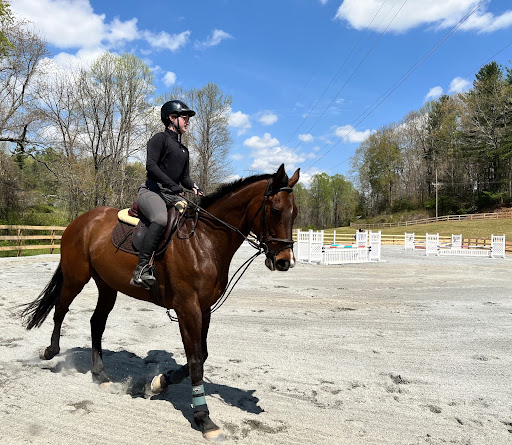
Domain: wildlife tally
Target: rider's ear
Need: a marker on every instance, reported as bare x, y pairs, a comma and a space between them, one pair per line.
294, 179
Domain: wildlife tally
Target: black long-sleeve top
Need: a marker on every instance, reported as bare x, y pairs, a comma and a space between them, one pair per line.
168, 162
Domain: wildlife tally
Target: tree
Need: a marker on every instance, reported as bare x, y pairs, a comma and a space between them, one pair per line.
379, 166
114, 108
209, 137
321, 200
10, 184
5, 19
487, 125
344, 200
18, 69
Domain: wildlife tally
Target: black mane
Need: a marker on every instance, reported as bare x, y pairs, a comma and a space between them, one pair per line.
231, 187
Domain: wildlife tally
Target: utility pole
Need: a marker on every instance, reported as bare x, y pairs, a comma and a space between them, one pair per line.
437, 185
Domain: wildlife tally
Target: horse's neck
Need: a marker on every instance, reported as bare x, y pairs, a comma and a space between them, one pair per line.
234, 210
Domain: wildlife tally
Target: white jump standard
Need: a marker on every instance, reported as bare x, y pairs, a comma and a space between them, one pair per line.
433, 247
311, 248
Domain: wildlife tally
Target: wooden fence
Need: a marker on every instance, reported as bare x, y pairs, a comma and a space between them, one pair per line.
474, 216
20, 238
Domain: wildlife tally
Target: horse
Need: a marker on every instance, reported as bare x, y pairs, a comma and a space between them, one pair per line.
192, 272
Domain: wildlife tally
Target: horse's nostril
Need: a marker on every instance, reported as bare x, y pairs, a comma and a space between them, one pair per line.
282, 265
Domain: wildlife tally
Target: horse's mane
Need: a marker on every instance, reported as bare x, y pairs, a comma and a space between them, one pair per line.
231, 187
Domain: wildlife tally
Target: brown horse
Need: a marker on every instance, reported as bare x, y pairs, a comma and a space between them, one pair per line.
193, 272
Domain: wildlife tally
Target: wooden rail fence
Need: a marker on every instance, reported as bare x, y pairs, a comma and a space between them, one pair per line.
20, 238
474, 216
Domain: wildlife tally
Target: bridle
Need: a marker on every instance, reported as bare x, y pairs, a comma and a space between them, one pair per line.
262, 240
264, 237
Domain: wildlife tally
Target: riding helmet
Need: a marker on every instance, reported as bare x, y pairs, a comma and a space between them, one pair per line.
174, 107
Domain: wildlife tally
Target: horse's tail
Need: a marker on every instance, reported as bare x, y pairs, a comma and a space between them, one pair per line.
35, 313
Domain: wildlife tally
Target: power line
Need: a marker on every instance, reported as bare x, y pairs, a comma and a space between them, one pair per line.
333, 79
363, 116
352, 75
465, 77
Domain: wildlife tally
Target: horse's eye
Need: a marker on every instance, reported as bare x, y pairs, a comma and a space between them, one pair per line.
275, 211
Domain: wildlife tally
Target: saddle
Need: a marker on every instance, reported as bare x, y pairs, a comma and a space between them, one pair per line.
129, 232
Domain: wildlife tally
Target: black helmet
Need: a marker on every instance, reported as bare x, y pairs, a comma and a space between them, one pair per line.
174, 107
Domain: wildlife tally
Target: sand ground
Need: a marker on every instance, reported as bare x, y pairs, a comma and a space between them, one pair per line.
411, 350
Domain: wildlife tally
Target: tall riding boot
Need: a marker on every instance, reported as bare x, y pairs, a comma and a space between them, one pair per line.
143, 274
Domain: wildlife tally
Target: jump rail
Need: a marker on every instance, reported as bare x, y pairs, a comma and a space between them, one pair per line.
311, 248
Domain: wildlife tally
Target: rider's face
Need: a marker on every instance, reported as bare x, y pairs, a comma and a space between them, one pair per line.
180, 122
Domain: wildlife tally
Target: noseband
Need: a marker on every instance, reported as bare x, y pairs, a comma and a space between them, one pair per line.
265, 237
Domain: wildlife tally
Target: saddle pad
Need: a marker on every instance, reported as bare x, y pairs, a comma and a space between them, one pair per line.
122, 237
125, 217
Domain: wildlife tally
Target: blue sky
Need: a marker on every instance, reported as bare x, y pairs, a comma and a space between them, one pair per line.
304, 75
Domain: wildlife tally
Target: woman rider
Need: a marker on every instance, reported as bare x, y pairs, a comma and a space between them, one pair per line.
167, 167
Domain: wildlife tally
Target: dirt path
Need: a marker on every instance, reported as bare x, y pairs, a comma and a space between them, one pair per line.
412, 350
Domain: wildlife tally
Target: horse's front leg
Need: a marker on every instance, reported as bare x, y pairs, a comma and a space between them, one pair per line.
174, 376
191, 327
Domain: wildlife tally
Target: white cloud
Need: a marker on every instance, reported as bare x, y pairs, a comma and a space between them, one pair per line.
237, 156
459, 85
164, 40
268, 159
169, 78
64, 23
268, 118
74, 24
485, 22
305, 137
267, 141
434, 93
239, 120
122, 31
438, 13
349, 134
82, 59
214, 39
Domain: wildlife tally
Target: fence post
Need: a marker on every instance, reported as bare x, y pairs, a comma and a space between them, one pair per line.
52, 233
19, 242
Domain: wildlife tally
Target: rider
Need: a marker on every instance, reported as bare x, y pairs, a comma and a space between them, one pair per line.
167, 166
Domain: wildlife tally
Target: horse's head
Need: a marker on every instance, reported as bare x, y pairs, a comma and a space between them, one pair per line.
277, 216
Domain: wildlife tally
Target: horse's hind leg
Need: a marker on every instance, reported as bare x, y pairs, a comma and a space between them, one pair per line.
71, 287
106, 300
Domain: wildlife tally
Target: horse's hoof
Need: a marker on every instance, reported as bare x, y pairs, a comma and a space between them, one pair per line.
159, 384
42, 354
214, 436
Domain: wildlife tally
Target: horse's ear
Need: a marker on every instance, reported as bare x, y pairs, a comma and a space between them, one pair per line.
295, 178
280, 179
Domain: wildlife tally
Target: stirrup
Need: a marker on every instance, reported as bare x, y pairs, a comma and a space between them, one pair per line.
143, 278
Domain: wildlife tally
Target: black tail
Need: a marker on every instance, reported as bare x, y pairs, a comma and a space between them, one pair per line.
35, 313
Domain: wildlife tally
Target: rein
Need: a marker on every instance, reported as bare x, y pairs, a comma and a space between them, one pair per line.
259, 244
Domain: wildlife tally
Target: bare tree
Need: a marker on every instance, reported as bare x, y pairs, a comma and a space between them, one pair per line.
211, 137
17, 71
113, 103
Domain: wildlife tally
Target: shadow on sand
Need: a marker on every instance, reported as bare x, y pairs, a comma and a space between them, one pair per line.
134, 374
